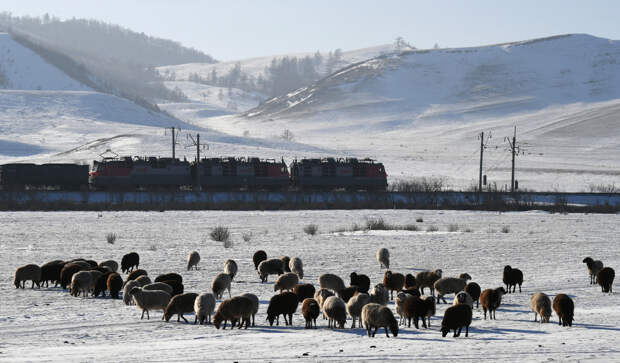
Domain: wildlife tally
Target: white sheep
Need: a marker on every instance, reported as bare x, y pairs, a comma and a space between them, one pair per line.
354, 307
399, 303
270, 267
297, 267
383, 257
377, 316
321, 295
332, 282
594, 266
143, 280
203, 307
286, 281
192, 260
541, 305
448, 285
220, 283
379, 295
334, 309
463, 297
81, 282
230, 267
158, 286
150, 300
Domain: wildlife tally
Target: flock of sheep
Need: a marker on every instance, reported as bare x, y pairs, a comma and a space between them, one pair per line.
366, 305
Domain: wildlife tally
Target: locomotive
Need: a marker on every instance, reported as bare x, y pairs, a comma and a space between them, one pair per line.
226, 174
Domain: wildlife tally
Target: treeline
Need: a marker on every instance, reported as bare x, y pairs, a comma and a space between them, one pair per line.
281, 76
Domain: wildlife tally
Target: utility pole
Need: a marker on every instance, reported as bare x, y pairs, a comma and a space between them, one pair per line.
482, 147
174, 142
514, 149
196, 142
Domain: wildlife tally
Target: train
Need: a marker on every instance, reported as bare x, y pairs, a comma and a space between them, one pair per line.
132, 173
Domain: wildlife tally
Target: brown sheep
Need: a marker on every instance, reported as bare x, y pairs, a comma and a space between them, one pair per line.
491, 299
285, 263
393, 282
136, 273
234, 309
427, 279
282, 304
259, 256
347, 293
410, 282
51, 272
310, 310
304, 291
180, 304
377, 316
27, 273
169, 276
565, 308
114, 284
605, 278
456, 317
67, 273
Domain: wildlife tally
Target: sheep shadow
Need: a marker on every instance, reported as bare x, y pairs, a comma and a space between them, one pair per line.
598, 327
503, 331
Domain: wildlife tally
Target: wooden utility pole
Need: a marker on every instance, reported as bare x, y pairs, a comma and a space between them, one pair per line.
174, 142
196, 143
514, 149
481, 152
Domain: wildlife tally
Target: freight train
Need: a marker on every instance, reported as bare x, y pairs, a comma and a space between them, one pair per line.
211, 174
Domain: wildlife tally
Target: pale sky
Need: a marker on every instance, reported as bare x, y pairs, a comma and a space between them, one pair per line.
237, 29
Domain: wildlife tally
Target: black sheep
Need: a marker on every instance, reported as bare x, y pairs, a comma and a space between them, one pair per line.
180, 304
130, 261
259, 256
474, 290
347, 293
361, 281
512, 277
114, 284
282, 304
170, 276
51, 272
565, 308
177, 287
416, 308
410, 282
136, 273
101, 284
456, 317
605, 278
304, 291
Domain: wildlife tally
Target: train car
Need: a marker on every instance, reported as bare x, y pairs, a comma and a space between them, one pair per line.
140, 173
251, 173
331, 174
44, 177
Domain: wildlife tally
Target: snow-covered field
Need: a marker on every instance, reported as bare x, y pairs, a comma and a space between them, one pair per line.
48, 324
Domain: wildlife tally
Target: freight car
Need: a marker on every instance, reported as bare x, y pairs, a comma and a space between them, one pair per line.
232, 173
140, 173
330, 173
45, 176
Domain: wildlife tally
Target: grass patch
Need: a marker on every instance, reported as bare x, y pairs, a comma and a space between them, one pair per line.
432, 228
246, 236
111, 238
311, 229
505, 229
419, 219
453, 227
377, 224
220, 234
411, 227
468, 230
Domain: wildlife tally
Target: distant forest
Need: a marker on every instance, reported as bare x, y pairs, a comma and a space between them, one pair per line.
105, 57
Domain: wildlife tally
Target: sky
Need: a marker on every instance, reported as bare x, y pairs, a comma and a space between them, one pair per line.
238, 29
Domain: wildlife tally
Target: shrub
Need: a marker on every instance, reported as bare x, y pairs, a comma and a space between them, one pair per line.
468, 230
410, 227
220, 234
432, 228
505, 229
152, 248
419, 220
453, 227
377, 224
423, 184
311, 229
247, 236
111, 238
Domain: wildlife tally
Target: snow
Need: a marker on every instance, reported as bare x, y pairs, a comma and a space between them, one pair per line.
48, 324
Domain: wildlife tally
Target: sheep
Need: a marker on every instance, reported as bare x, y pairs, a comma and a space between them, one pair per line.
410, 282
114, 284
541, 305
92, 263
67, 273
605, 278
332, 282
203, 307
296, 266
383, 257
259, 256
415, 307
512, 277
129, 285
110, 265
192, 260
234, 309
96, 274
463, 297
474, 290
136, 273
465, 276
412, 291
565, 309
25, 273
491, 299
149, 300
81, 282
285, 263
379, 295
282, 304
177, 287
347, 293
255, 304
51, 272
448, 285
354, 307
101, 284
169, 276
393, 282
456, 317
321, 295
593, 268
159, 286
180, 304
361, 281
427, 279
143, 280
398, 303
230, 267
304, 291
220, 283
129, 261
430, 308
270, 267
334, 310
377, 316
310, 310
